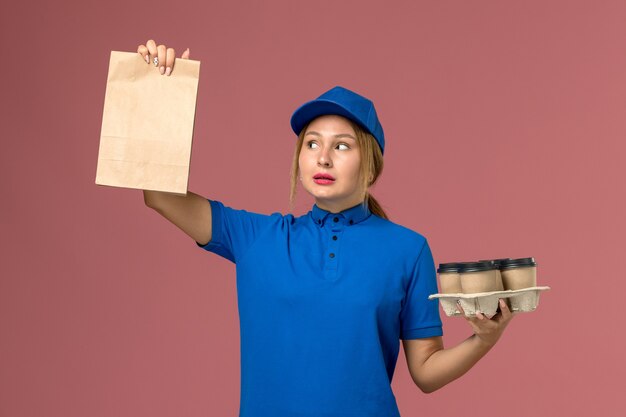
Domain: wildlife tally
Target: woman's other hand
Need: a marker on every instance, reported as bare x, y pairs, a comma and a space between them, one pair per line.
160, 56
488, 331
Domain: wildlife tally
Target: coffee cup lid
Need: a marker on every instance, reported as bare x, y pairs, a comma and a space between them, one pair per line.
479, 266
496, 262
451, 266
518, 263
448, 267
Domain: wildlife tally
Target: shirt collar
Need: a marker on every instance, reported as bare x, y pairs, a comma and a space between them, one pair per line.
351, 216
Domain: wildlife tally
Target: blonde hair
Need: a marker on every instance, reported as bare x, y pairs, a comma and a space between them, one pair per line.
371, 167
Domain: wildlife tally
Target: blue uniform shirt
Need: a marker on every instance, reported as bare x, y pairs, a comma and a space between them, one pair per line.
323, 300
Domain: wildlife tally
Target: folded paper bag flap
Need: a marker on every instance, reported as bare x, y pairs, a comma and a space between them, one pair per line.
147, 124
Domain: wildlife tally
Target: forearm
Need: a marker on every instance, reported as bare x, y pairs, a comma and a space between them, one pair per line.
191, 212
446, 365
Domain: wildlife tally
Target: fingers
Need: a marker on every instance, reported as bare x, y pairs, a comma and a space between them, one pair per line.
143, 51
170, 55
460, 309
478, 315
505, 313
488, 330
160, 56
161, 52
505, 310
152, 50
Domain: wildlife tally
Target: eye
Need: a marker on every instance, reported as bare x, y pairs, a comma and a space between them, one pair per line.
344, 145
310, 144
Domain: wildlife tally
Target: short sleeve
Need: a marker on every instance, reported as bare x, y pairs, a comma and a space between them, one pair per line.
234, 231
419, 317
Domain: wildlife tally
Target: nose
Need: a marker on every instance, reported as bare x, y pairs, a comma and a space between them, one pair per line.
324, 158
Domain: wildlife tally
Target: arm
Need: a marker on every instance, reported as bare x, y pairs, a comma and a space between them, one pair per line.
191, 213
431, 366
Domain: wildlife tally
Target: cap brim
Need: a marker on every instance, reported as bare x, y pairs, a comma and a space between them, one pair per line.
316, 108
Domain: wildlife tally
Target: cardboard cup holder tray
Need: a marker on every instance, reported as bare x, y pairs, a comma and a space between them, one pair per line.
524, 300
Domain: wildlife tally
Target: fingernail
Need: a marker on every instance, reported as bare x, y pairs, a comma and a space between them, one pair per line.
147, 59
168, 71
162, 70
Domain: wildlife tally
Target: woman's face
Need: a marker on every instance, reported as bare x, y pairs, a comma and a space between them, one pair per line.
330, 148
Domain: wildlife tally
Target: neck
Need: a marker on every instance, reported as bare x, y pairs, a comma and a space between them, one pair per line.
336, 206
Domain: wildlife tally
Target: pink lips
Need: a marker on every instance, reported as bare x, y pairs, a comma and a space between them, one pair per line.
321, 175
323, 179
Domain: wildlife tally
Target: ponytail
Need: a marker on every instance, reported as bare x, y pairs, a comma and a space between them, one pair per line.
375, 207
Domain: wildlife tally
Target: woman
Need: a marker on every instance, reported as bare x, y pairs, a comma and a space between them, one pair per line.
324, 298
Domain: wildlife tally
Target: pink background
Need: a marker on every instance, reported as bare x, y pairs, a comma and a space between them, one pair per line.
505, 138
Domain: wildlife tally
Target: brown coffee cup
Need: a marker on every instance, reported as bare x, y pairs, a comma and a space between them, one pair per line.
519, 273
449, 278
478, 277
496, 262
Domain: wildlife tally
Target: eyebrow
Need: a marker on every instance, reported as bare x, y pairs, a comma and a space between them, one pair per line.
338, 136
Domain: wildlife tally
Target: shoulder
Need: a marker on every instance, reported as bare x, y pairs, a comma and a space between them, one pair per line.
402, 245
218, 205
398, 232
276, 218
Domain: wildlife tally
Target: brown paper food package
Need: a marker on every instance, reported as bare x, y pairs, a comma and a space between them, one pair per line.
147, 124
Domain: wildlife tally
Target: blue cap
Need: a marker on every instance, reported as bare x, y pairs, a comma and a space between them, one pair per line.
342, 102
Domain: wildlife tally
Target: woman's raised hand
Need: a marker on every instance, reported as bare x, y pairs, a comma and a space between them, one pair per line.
160, 56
